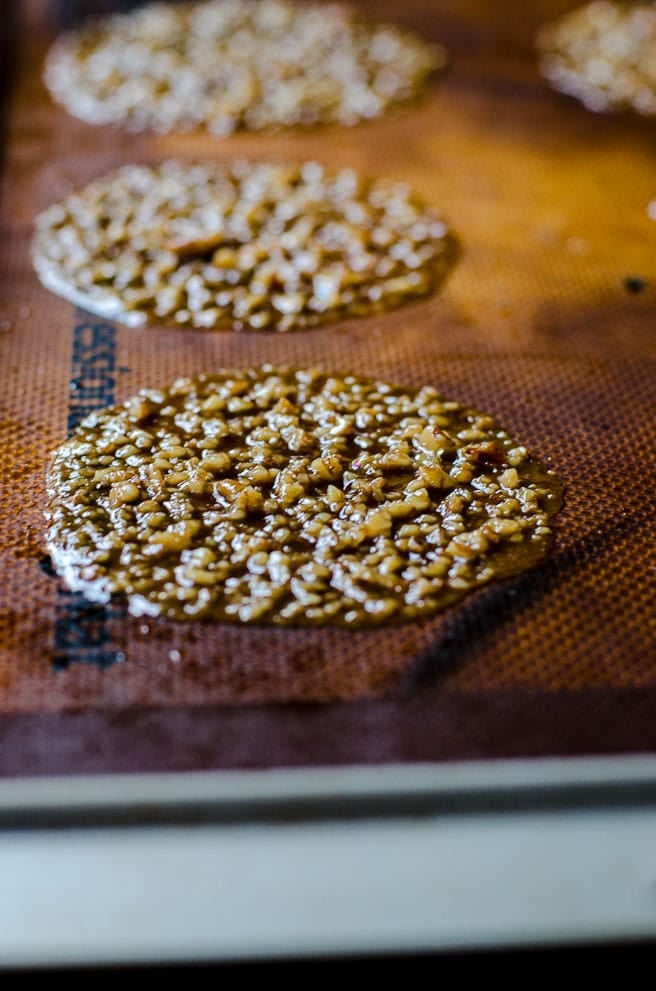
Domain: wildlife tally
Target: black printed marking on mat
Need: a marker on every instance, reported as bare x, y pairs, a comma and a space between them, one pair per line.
83, 629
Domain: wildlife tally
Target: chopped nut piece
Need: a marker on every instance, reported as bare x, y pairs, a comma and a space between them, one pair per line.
123, 492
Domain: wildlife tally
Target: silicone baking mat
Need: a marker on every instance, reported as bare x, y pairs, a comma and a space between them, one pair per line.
547, 323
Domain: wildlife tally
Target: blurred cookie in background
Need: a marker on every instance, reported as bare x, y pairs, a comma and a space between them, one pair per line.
224, 65
603, 54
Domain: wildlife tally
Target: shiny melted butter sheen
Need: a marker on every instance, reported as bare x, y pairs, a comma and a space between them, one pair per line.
293, 497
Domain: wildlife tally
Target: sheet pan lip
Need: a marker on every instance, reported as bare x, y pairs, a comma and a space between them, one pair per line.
554, 786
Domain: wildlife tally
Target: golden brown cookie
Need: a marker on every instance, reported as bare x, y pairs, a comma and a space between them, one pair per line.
293, 496
604, 54
245, 246
224, 65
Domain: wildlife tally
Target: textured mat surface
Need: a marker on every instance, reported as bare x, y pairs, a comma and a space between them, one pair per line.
547, 323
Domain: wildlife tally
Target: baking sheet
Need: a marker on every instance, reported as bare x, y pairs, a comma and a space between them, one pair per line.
537, 325
364, 865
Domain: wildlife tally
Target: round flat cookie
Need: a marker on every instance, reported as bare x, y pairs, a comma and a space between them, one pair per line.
245, 246
604, 54
293, 497
224, 65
